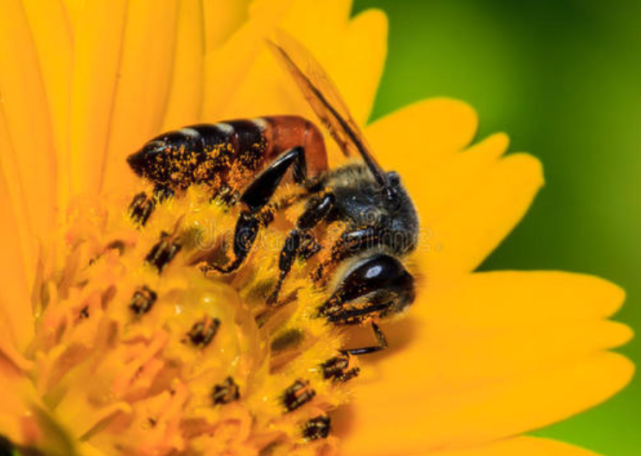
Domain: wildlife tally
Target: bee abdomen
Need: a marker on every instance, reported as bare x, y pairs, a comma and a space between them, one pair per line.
197, 154
218, 154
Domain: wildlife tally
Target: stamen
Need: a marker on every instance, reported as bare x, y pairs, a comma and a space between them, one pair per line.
317, 428
163, 252
288, 340
337, 369
143, 300
84, 313
172, 345
116, 245
202, 333
141, 208
226, 392
297, 395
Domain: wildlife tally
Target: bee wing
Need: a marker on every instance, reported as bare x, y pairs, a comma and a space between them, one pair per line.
325, 100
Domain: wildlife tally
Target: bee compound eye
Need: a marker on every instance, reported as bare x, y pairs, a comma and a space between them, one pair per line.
380, 272
381, 278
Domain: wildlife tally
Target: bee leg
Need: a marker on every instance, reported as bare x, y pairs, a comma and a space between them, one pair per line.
162, 192
260, 190
256, 198
245, 234
380, 338
318, 208
353, 316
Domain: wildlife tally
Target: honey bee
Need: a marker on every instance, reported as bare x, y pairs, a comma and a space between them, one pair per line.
245, 162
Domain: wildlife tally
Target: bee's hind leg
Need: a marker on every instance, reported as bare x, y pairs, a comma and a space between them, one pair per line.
255, 199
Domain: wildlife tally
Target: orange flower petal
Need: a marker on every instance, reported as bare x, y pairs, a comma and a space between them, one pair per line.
97, 54
143, 83
222, 18
521, 446
14, 408
512, 355
186, 92
22, 253
24, 421
26, 114
15, 308
87, 449
74, 10
53, 37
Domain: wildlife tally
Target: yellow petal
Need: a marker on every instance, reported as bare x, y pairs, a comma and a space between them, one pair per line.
508, 298
14, 407
74, 10
479, 415
97, 53
222, 18
521, 446
53, 41
86, 449
15, 308
227, 67
459, 239
8, 348
470, 358
258, 86
186, 92
365, 44
418, 136
517, 351
21, 257
446, 183
23, 419
26, 113
143, 84
368, 32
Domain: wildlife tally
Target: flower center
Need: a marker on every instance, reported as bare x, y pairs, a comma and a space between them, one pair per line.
142, 348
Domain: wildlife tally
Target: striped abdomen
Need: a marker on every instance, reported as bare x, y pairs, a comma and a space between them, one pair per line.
227, 152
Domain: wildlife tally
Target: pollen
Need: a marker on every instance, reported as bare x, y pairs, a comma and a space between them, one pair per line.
141, 348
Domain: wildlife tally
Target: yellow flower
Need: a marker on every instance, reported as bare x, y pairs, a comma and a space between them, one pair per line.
480, 359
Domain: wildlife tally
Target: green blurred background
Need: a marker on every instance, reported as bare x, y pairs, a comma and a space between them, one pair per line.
563, 78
